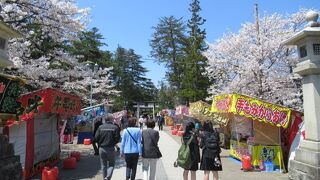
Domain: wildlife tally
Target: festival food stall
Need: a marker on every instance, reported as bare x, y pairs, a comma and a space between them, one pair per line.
263, 130
85, 121
168, 116
36, 137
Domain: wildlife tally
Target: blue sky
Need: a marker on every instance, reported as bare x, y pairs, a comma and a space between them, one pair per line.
129, 23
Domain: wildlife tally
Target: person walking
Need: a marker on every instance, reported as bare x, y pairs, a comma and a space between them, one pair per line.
107, 136
97, 124
141, 120
194, 150
160, 122
150, 151
131, 148
210, 161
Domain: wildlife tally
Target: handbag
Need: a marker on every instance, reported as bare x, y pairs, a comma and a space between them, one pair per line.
159, 155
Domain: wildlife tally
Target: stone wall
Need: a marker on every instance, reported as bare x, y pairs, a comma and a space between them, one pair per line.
10, 167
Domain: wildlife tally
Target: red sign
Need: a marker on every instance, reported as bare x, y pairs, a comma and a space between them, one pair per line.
51, 100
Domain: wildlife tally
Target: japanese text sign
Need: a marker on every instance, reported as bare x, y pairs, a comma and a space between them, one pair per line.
54, 101
201, 110
253, 108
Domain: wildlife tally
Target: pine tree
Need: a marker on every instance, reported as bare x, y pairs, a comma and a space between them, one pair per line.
167, 47
129, 78
194, 81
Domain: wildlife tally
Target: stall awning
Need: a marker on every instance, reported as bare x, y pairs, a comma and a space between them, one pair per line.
252, 108
50, 100
201, 111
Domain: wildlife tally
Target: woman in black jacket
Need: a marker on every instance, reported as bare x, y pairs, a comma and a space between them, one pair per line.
194, 150
150, 151
210, 160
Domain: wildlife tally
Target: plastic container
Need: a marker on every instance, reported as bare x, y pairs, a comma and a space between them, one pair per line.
246, 162
70, 163
50, 173
269, 166
75, 154
87, 141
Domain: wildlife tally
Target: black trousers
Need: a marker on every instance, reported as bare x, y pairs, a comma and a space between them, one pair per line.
132, 162
160, 126
95, 147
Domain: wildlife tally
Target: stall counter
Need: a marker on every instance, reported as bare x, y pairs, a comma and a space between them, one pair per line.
265, 152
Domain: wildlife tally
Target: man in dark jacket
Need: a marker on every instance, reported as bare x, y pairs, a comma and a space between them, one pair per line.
107, 136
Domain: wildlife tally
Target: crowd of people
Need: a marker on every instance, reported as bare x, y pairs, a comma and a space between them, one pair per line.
138, 142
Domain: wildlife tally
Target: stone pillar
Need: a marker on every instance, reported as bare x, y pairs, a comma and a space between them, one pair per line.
306, 164
10, 167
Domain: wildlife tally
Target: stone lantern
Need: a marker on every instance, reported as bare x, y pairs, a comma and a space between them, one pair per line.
306, 164
5, 34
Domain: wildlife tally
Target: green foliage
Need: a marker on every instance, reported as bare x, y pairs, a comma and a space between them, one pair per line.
10, 103
182, 55
129, 78
88, 48
166, 96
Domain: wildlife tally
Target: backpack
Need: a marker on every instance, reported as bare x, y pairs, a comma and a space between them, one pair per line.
184, 155
212, 145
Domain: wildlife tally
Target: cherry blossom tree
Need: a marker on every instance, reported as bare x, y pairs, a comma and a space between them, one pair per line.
254, 62
40, 57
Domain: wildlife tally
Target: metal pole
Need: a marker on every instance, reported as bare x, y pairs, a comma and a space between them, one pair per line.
91, 91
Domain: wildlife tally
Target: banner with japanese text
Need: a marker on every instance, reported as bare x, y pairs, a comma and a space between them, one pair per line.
50, 100
252, 108
201, 111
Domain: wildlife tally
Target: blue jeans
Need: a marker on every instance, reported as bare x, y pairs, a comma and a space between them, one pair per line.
107, 159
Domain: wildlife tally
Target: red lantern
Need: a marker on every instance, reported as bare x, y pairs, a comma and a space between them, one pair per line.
246, 162
50, 173
76, 154
70, 163
87, 141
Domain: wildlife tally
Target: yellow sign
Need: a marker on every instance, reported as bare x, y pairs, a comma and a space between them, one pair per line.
259, 152
267, 154
201, 111
252, 108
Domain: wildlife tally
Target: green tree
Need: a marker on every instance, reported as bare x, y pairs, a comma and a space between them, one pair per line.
88, 48
165, 96
195, 82
129, 78
167, 47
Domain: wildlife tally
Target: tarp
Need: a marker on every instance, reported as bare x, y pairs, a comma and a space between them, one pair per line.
182, 110
252, 108
118, 115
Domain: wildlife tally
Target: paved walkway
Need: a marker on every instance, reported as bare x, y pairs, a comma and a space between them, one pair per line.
89, 165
